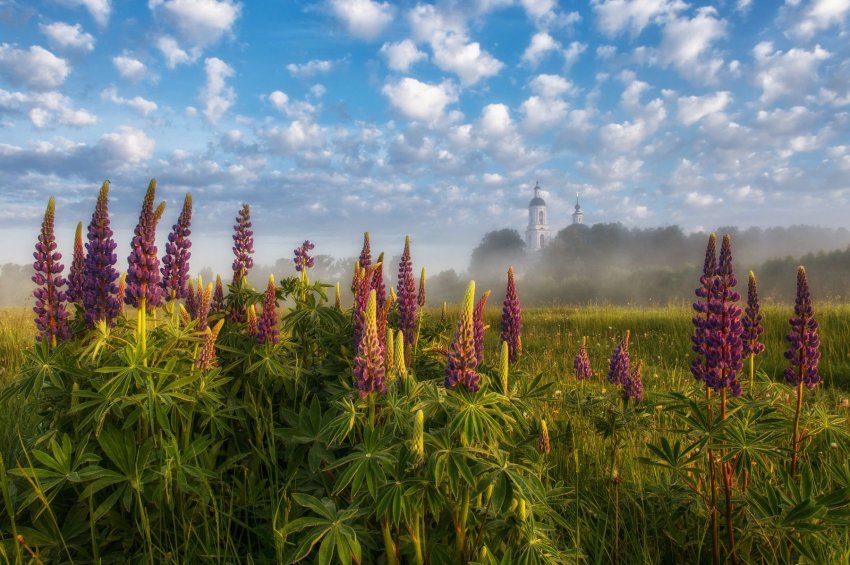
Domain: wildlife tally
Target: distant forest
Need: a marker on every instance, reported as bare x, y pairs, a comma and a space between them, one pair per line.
602, 263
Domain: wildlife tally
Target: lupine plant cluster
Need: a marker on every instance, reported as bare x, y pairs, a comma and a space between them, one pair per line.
182, 420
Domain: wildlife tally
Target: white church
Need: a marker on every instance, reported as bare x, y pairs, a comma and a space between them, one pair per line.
537, 233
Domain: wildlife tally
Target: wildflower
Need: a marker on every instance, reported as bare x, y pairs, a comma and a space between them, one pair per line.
143, 276
581, 363
504, 357
400, 367
192, 300
251, 319
267, 330
206, 358
365, 259
407, 320
51, 316
243, 245
302, 257
699, 365
77, 275
478, 318
512, 319
618, 369
420, 298
369, 363
175, 263
217, 306
723, 344
121, 292
383, 315
543, 444
460, 369
633, 385
419, 435
100, 300
378, 284
752, 321
361, 299
204, 300
803, 351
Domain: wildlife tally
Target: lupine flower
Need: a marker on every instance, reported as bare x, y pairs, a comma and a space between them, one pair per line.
699, 365
365, 259
143, 274
252, 322
267, 328
369, 370
378, 284
206, 358
51, 316
407, 320
504, 363
420, 298
618, 368
544, 446
217, 306
633, 385
204, 305
383, 315
175, 263
191, 300
418, 447
804, 349
361, 299
243, 245
77, 275
478, 318
100, 300
581, 363
121, 292
460, 369
184, 314
337, 298
400, 367
512, 319
302, 258
752, 320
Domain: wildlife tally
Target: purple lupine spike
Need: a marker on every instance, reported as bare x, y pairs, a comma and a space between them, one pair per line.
302, 256
420, 298
100, 292
175, 263
804, 349
699, 365
243, 245
267, 324
378, 284
618, 368
361, 299
406, 290
479, 327
365, 259
217, 306
752, 320
512, 319
633, 384
461, 365
51, 316
143, 274
77, 275
581, 363
369, 371
191, 300
206, 358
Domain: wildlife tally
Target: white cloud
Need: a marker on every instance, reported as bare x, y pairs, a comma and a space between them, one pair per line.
174, 54
128, 145
540, 112
420, 100
687, 45
296, 137
364, 19
616, 16
786, 74
35, 67
129, 68
694, 108
279, 100
309, 69
606, 51
400, 56
67, 36
539, 8
99, 9
216, 95
296, 109
573, 52
45, 109
551, 86
541, 43
701, 200
141, 105
746, 193
820, 15
198, 22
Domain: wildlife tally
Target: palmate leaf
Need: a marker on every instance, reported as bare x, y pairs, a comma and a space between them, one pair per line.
331, 527
478, 417
673, 456
368, 464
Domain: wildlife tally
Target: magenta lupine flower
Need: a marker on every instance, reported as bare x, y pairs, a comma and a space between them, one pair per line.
51, 316
633, 384
77, 275
267, 325
478, 327
369, 371
204, 298
581, 363
365, 259
191, 300
302, 257
175, 263
699, 364
618, 367
143, 276
406, 290
512, 319
361, 299
752, 320
100, 293
804, 349
243, 245
378, 284
218, 296
206, 358
461, 365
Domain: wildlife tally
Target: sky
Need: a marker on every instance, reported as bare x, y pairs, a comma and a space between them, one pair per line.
430, 119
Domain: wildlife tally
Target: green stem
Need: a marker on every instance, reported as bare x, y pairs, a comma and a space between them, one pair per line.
752, 373
416, 539
460, 526
389, 544
795, 439
727, 486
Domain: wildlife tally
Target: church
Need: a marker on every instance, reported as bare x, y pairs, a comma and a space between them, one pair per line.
537, 233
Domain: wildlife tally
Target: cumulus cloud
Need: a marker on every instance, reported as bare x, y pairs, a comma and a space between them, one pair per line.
99, 9
551, 86
786, 74
541, 44
296, 109
617, 16
129, 68
138, 104
687, 44
127, 145
402, 55
701, 200
817, 16
540, 112
694, 108
298, 136
35, 67
420, 101
174, 54
199, 23
216, 95
364, 19
310, 68
67, 36
45, 109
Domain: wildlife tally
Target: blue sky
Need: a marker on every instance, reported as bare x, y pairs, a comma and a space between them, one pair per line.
428, 119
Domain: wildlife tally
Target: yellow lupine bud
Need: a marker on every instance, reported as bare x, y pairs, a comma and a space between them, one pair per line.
419, 435
503, 368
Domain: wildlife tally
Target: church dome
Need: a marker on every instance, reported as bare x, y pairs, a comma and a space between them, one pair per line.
537, 201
